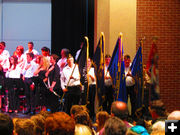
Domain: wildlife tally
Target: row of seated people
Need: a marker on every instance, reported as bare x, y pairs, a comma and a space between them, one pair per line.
80, 123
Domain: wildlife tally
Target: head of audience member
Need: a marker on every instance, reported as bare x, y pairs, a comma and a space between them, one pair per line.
19, 50
59, 123
83, 118
175, 115
81, 129
158, 126
30, 46
140, 130
13, 60
64, 53
45, 51
101, 118
114, 126
127, 60
75, 109
6, 124
44, 113
39, 121
53, 59
24, 127
119, 109
30, 57
107, 59
70, 60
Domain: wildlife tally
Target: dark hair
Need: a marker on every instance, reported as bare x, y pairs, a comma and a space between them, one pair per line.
6, 124
55, 57
15, 61
45, 49
3, 43
108, 56
31, 43
115, 126
66, 51
127, 56
31, 55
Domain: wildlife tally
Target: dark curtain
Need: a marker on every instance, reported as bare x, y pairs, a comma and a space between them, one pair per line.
71, 21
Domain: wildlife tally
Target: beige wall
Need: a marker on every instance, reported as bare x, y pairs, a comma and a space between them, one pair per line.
113, 17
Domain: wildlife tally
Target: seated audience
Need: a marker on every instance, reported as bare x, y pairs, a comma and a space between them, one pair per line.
114, 126
6, 124
81, 129
59, 123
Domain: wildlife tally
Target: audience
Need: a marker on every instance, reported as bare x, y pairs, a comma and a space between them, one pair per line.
114, 126
6, 125
175, 115
59, 123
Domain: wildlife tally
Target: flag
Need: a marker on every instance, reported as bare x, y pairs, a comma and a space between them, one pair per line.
98, 63
116, 70
82, 61
137, 72
153, 72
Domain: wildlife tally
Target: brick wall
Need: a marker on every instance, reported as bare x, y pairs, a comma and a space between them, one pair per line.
161, 18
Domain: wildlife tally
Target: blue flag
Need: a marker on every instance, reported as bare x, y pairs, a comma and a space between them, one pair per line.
98, 63
137, 72
116, 69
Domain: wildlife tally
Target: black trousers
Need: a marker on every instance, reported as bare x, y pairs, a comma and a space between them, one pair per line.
108, 98
30, 94
131, 92
72, 97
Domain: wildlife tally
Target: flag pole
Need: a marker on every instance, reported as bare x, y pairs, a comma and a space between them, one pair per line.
120, 58
87, 57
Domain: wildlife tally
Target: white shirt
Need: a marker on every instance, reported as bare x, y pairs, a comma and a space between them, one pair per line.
35, 52
108, 82
129, 80
62, 60
77, 54
4, 59
66, 73
91, 72
30, 71
14, 73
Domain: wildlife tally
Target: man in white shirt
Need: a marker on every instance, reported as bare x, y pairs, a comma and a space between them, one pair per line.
130, 83
70, 84
31, 49
4, 57
28, 71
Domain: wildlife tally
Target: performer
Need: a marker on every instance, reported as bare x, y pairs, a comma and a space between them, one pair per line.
14, 83
39, 76
63, 61
31, 49
29, 69
70, 84
130, 83
4, 57
92, 89
108, 99
53, 74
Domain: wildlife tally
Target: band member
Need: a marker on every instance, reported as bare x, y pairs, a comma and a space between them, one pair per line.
28, 71
92, 89
53, 74
14, 84
39, 76
70, 84
108, 90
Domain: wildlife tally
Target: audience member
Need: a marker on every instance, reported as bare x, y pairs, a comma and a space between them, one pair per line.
81, 129
59, 123
114, 126
24, 127
101, 118
6, 124
175, 115
75, 109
